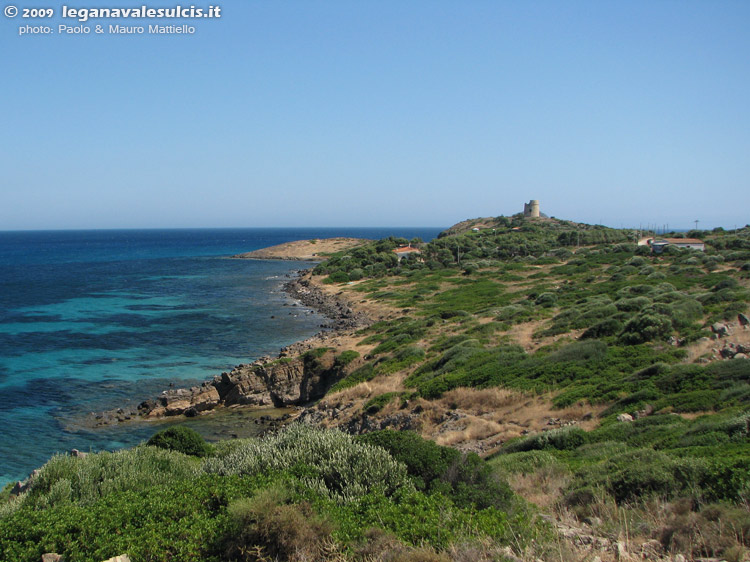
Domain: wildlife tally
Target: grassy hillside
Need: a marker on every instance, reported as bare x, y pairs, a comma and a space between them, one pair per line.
592, 326
597, 380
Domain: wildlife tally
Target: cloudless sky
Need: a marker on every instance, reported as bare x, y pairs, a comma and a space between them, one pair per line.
380, 112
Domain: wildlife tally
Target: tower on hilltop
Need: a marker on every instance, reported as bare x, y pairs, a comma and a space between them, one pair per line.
531, 209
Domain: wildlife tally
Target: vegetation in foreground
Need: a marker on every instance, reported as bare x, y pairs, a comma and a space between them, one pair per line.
302, 494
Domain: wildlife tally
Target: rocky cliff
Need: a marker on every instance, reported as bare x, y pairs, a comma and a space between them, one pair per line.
286, 381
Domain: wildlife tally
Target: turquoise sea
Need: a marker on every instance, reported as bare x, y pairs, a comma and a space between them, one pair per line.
91, 320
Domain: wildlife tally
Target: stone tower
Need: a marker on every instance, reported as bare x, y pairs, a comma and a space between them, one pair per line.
531, 209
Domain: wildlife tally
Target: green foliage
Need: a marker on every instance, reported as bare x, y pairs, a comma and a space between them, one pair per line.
65, 479
270, 523
365, 373
333, 463
639, 474
646, 327
567, 438
466, 478
346, 357
182, 439
337, 277
377, 403
526, 462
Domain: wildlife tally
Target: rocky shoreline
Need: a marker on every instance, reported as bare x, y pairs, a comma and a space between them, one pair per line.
293, 378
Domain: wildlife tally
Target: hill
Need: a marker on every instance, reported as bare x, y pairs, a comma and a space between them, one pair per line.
536, 389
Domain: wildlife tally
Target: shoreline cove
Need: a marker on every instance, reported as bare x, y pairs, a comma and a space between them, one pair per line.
267, 382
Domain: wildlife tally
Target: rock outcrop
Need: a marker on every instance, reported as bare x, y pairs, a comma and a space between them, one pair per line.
286, 381
303, 371
341, 315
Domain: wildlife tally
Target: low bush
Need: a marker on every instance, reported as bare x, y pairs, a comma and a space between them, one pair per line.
646, 327
65, 479
567, 438
269, 526
346, 357
182, 439
639, 474
465, 478
365, 373
332, 463
377, 403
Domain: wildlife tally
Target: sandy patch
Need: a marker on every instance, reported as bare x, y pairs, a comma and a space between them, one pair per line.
304, 250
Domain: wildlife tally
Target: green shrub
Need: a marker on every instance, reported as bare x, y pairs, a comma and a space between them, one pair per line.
646, 327
465, 478
356, 274
546, 300
365, 373
608, 327
566, 438
182, 439
337, 277
83, 480
377, 403
639, 474
526, 462
346, 357
333, 463
633, 304
579, 351
278, 529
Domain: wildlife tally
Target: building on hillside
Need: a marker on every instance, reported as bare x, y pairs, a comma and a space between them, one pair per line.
531, 209
403, 251
658, 244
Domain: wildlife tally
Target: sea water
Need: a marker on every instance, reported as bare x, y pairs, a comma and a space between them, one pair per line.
94, 320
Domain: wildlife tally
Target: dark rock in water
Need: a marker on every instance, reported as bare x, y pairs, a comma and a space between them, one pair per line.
191, 412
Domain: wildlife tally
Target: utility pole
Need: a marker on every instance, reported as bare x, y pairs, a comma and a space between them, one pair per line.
696, 224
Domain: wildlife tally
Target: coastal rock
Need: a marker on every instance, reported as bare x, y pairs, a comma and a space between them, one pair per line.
720, 329
743, 319
266, 382
340, 313
294, 378
624, 418
177, 401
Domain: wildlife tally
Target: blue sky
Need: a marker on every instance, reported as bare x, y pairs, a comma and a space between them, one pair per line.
378, 113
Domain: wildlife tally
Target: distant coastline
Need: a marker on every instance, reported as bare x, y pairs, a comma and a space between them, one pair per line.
314, 250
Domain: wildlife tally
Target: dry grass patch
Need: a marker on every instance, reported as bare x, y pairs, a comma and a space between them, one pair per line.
479, 401
476, 429
483, 419
365, 390
543, 487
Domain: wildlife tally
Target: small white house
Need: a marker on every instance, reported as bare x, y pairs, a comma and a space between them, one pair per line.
658, 244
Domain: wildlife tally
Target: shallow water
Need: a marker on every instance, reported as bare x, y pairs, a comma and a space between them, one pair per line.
94, 320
